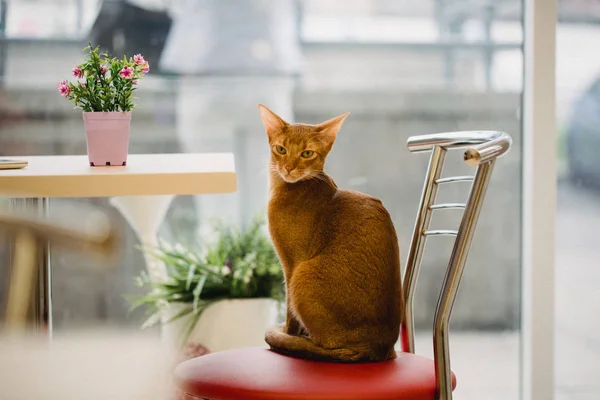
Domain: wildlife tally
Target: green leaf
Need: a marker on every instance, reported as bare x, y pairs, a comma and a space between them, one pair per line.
180, 314
152, 320
190, 276
198, 291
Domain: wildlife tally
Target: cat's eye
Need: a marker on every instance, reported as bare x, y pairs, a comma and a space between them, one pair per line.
280, 150
307, 153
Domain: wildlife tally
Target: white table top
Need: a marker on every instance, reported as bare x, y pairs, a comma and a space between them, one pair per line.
145, 174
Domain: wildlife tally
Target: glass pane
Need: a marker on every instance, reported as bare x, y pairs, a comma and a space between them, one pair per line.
401, 68
578, 213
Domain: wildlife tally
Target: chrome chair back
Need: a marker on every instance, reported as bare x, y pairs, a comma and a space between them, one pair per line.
482, 150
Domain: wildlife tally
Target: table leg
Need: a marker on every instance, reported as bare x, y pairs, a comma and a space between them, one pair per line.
145, 215
41, 315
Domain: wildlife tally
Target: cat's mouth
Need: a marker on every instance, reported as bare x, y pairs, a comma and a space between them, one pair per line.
289, 178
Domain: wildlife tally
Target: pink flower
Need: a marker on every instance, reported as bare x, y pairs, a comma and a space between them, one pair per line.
126, 72
64, 89
138, 59
103, 69
82, 84
146, 68
77, 72
135, 81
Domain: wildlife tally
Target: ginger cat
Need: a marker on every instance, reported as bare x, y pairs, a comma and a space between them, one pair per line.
338, 249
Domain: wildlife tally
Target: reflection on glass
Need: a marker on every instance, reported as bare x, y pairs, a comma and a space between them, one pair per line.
401, 68
577, 351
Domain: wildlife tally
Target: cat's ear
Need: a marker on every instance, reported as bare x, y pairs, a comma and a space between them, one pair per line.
272, 122
331, 127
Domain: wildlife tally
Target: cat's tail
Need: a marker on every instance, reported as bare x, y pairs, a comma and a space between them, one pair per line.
303, 347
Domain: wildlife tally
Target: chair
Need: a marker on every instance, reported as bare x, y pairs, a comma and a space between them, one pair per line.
76, 227
125, 366
260, 374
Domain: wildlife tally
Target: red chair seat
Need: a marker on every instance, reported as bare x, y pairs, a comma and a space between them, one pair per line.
257, 374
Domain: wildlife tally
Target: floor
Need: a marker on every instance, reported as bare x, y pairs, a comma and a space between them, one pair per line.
577, 293
487, 364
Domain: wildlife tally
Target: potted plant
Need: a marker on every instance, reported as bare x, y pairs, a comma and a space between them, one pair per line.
103, 91
221, 295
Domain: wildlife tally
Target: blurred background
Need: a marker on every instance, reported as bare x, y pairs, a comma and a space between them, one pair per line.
402, 68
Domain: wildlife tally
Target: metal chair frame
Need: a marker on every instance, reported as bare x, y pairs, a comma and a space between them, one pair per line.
484, 147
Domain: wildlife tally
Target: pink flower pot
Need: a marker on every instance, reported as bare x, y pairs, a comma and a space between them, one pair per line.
107, 135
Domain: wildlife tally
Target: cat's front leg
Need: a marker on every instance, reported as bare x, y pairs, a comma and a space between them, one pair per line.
292, 325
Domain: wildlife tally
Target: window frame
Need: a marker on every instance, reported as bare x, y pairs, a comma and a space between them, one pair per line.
539, 180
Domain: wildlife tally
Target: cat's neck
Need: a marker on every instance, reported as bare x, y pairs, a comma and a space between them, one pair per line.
320, 186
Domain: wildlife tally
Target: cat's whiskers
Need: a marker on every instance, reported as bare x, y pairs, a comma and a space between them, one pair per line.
265, 169
272, 168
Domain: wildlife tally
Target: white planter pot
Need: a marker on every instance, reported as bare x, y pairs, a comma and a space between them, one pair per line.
225, 325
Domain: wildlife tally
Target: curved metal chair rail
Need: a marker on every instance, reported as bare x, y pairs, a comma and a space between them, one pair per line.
86, 231
486, 145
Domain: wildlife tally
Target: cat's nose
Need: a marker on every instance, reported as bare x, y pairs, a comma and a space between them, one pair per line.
288, 168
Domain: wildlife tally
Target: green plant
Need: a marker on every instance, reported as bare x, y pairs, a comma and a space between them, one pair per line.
239, 264
104, 83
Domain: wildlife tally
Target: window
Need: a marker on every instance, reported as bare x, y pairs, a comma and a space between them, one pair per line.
578, 111
401, 68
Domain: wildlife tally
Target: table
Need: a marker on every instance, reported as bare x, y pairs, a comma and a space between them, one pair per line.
146, 176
